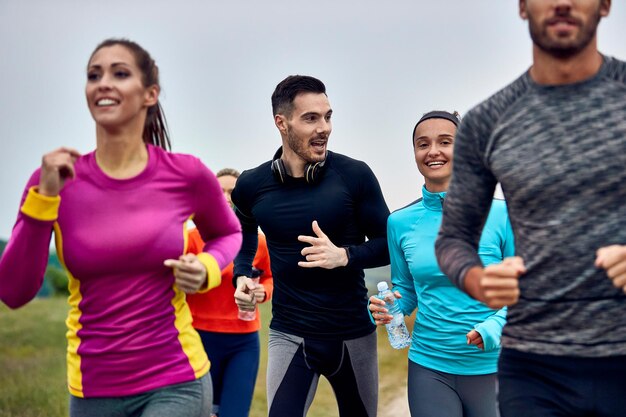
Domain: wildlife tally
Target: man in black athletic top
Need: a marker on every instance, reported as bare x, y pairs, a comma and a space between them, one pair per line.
316, 208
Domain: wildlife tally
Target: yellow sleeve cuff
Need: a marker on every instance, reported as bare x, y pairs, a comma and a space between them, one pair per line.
214, 274
41, 207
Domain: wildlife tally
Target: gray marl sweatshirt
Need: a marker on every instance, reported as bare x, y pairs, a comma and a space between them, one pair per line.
559, 153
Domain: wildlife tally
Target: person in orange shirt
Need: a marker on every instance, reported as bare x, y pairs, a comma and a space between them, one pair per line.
231, 344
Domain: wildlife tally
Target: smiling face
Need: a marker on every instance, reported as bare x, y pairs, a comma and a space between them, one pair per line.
563, 28
306, 129
433, 144
115, 90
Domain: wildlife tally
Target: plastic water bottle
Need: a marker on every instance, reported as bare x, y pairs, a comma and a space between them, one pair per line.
399, 336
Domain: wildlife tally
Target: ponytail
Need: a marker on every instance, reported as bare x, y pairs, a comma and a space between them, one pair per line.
155, 129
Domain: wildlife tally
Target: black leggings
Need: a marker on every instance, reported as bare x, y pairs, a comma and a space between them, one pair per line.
295, 364
435, 393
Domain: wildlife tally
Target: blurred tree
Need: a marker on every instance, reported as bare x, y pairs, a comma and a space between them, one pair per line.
57, 279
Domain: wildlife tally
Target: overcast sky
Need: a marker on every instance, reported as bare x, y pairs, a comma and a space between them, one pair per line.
384, 64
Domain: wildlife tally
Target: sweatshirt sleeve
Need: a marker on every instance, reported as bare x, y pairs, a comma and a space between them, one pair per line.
466, 206
241, 195
218, 226
262, 262
372, 213
194, 241
23, 263
401, 277
491, 329
508, 244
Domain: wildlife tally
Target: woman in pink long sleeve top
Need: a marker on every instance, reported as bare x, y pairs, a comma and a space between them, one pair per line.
119, 215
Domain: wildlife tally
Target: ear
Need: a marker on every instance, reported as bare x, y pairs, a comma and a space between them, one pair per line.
522, 10
152, 95
281, 123
605, 7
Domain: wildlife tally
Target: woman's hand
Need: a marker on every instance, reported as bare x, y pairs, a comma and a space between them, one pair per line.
474, 338
56, 168
379, 312
189, 272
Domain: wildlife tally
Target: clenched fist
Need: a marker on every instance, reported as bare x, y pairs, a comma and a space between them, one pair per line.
497, 285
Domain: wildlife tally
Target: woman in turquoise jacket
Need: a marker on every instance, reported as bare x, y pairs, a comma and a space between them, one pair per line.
456, 339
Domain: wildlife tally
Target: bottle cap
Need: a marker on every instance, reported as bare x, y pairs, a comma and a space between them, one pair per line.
382, 286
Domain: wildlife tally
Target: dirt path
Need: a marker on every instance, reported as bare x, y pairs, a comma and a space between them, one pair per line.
398, 406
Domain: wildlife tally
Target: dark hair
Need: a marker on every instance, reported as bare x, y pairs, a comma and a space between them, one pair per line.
287, 90
453, 117
227, 171
155, 128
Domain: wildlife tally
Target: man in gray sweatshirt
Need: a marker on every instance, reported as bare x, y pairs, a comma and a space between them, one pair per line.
555, 139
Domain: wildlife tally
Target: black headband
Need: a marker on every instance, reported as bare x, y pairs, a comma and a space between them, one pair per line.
438, 114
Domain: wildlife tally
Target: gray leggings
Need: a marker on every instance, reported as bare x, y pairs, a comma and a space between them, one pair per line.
189, 399
434, 393
295, 365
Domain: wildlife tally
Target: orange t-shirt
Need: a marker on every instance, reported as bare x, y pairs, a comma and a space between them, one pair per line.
215, 310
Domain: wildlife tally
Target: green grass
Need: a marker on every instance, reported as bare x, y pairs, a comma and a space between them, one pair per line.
32, 360
33, 378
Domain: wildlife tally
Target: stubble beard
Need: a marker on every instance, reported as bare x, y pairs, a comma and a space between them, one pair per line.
563, 50
299, 147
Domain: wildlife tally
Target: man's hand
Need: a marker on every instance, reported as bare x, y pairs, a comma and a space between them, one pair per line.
322, 253
474, 338
613, 260
247, 293
497, 285
259, 292
190, 274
